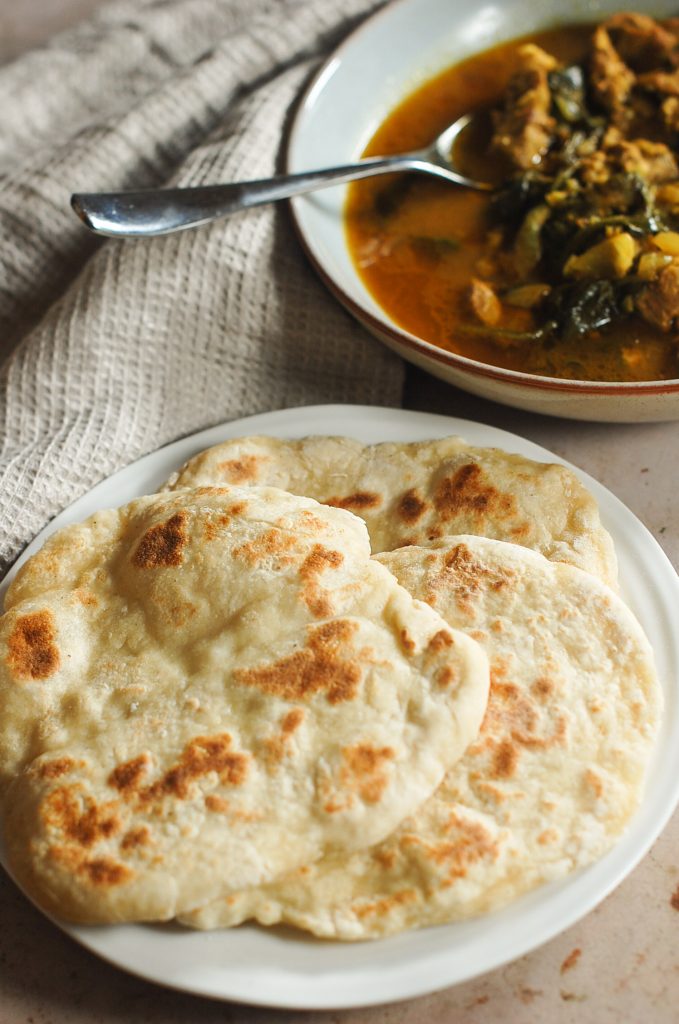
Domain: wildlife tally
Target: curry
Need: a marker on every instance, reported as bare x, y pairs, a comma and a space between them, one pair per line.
570, 268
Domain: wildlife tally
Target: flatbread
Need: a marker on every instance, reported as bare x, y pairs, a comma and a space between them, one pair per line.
204, 689
550, 784
413, 493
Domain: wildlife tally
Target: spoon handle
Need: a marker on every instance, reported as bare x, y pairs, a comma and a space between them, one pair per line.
160, 211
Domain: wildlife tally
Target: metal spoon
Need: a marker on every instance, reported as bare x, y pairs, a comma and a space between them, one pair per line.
160, 211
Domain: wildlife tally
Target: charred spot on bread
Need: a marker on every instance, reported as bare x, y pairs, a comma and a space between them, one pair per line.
162, 545
359, 501
325, 664
32, 652
243, 469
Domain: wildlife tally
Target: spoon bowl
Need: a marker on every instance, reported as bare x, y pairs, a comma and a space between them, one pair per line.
150, 212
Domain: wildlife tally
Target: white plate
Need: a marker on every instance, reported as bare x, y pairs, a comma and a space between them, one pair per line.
381, 63
283, 968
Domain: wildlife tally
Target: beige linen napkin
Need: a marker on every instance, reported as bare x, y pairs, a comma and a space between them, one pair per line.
111, 349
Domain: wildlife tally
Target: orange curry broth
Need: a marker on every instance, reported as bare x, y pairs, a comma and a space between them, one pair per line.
417, 242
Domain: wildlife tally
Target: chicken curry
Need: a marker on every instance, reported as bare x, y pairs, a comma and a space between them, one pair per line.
570, 268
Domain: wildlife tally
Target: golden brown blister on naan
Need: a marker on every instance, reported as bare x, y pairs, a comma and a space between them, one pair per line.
549, 785
417, 492
204, 689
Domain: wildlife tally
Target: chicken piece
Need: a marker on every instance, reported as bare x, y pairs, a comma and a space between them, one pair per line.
610, 78
658, 301
670, 113
671, 25
484, 302
653, 161
524, 129
658, 162
641, 42
664, 82
595, 169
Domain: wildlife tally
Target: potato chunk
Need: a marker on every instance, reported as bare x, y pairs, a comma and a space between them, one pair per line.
611, 258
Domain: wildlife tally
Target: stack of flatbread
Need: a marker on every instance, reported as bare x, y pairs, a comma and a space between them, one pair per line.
355, 688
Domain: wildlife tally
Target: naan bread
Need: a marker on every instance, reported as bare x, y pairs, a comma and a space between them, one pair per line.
412, 493
202, 690
552, 781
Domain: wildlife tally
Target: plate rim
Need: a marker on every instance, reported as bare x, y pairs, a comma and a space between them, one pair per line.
387, 984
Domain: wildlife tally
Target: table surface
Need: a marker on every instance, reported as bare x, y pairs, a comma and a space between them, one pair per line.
619, 964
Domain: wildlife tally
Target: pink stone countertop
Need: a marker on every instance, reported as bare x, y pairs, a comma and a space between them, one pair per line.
619, 964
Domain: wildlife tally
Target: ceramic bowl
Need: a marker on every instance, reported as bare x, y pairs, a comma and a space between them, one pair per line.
381, 63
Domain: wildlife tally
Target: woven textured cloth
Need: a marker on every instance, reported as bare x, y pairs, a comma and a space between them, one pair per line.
110, 348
